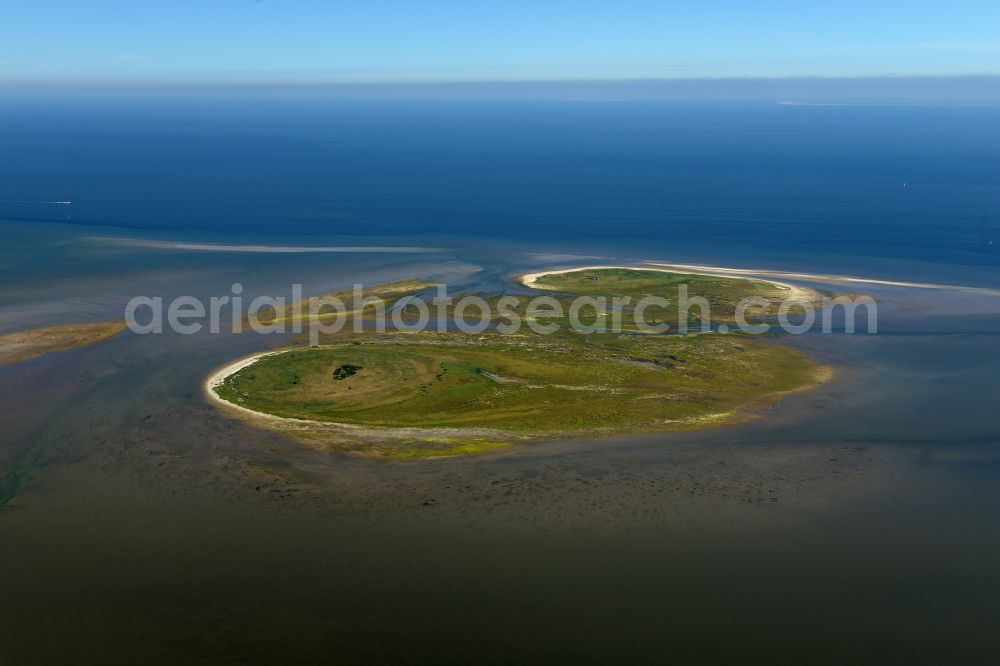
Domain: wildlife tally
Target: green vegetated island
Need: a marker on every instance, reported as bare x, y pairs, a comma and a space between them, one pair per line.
426, 394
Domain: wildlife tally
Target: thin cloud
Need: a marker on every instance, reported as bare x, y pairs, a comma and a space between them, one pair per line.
960, 46
922, 46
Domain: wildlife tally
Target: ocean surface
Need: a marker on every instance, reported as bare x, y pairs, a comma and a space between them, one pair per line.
901, 183
854, 523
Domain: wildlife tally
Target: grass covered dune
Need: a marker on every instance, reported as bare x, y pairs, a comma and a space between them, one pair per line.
425, 394
723, 293
440, 394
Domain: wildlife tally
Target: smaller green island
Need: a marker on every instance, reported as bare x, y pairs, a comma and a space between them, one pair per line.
722, 293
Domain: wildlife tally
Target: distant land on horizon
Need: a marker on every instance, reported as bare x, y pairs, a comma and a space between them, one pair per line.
936, 90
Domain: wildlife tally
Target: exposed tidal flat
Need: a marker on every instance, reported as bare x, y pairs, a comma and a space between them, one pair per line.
150, 525
31, 343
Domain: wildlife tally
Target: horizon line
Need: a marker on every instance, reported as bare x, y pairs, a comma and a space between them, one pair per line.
935, 90
499, 81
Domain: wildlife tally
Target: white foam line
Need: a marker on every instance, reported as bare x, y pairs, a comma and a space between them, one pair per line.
819, 277
47, 203
279, 249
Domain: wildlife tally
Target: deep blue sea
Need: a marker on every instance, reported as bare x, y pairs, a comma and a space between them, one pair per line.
795, 185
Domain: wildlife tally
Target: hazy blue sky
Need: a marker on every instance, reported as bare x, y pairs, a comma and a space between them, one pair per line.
435, 40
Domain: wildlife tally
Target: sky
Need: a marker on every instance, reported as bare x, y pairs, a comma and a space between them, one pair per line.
360, 41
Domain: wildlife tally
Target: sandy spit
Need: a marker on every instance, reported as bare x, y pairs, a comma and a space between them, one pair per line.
795, 292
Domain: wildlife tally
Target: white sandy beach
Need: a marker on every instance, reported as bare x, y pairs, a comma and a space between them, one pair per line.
818, 277
219, 375
795, 292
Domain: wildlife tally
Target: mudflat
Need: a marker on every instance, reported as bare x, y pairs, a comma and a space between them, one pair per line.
23, 345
